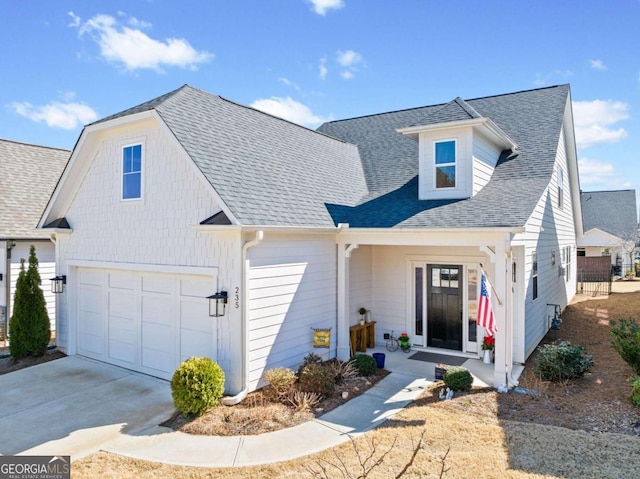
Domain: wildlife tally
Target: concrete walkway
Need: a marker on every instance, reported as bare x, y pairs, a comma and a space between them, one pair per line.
365, 412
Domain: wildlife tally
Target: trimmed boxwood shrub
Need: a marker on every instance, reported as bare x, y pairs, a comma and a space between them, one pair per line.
317, 378
197, 385
458, 378
625, 341
635, 391
365, 364
562, 360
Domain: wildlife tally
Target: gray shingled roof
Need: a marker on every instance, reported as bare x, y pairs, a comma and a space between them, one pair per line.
28, 175
269, 171
612, 211
533, 119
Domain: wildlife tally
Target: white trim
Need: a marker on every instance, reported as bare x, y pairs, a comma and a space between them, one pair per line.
148, 268
487, 125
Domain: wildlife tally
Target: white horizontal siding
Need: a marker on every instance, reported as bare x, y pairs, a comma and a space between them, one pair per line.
292, 289
558, 231
485, 158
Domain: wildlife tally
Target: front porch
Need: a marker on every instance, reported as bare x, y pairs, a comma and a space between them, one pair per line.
398, 361
428, 286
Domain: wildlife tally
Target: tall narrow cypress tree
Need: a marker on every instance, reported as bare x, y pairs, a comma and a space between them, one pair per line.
29, 326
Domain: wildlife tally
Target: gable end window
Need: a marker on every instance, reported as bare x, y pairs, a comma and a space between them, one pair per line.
560, 187
534, 273
132, 172
445, 163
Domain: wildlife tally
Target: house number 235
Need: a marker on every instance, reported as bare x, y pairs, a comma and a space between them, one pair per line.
236, 297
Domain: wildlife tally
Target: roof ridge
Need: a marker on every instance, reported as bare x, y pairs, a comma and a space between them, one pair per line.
34, 145
607, 191
401, 110
151, 104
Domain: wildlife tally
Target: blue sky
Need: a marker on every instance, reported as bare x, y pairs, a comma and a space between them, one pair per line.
68, 63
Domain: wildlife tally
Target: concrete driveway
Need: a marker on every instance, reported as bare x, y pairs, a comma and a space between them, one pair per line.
71, 406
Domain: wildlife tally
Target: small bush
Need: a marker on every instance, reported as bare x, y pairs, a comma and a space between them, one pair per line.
303, 400
311, 358
562, 361
280, 381
626, 341
317, 378
458, 378
635, 391
343, 370
365, 364
197, 386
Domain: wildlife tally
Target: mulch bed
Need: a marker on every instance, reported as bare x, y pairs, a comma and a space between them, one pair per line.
9, 364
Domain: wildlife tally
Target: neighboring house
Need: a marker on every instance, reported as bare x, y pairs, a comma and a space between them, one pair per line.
610, 225
189, 194
28, 175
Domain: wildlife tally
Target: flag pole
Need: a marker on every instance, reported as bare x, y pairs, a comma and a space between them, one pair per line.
495, 293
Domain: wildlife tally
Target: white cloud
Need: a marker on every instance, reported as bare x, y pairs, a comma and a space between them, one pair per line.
593, 121
322, 68
597, 64
75, 19
596, 174
321, 6
288, 82
349, 60
546, 79
66, 115
133, 48
289, 109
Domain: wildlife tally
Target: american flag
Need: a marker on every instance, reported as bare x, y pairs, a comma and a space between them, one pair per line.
486, 319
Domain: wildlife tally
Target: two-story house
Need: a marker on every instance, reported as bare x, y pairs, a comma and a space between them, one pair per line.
190, 194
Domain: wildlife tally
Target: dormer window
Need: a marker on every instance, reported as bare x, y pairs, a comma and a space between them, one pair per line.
445, 164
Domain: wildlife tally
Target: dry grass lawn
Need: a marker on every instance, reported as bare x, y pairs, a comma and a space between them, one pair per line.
585, 429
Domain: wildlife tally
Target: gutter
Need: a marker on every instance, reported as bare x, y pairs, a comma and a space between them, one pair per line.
233, 400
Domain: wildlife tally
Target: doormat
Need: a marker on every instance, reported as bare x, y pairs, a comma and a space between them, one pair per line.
438, 358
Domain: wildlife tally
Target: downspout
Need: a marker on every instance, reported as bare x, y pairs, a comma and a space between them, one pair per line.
233, 400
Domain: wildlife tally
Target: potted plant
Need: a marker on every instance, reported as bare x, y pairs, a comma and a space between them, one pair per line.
440, 370
403, 339
363, 313
488, 346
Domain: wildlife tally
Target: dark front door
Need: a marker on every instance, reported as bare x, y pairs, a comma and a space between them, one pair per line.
444, 306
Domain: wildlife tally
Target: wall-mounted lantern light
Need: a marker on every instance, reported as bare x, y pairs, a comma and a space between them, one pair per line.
57, 283
217, 303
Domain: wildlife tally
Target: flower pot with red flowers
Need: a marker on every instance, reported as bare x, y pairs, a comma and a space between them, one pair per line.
488, 346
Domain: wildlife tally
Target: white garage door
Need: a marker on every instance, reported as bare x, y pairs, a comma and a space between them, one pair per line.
148, 322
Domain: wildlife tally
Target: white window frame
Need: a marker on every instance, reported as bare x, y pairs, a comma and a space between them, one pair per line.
560, 180
534, 276
142, 145
441, 165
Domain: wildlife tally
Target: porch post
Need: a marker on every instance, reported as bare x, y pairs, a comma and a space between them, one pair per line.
504, 341
343, 350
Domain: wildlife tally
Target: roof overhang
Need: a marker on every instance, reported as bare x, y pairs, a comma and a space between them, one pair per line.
483, 125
